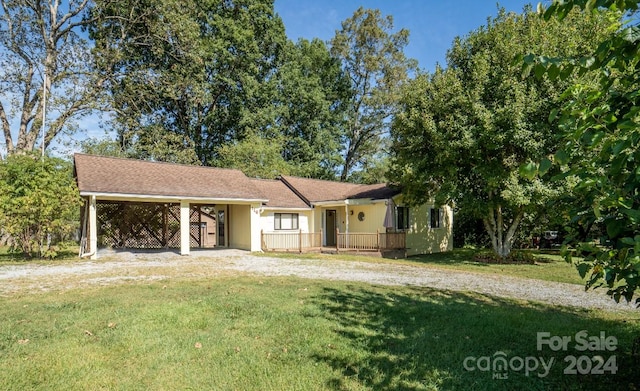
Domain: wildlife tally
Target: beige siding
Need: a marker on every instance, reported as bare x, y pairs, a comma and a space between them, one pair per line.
373, 215
304, 219
239, 221
422, 239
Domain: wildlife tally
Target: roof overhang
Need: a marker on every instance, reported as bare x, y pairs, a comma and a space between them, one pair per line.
286, 208
165, 198
354, 201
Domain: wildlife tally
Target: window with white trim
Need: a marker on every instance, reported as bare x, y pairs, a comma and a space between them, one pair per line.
285, 221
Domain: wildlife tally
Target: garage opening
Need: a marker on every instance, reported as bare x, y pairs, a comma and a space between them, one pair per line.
154, 225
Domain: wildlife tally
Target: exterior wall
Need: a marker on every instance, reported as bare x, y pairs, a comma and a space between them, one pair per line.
373, 218
239, 221
288, 239
421, 239
305, 218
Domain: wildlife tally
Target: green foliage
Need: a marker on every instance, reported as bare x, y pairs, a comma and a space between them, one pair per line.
38, 200
467, 132
599, 122
255, 157
312, 103
373, 58
199, 70
103, 147
192, 81
515, 257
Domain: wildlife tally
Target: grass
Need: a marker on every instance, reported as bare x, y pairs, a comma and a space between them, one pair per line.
548, 267
248, 333
65, 254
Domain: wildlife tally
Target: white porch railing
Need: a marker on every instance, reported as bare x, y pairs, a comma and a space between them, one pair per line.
352, 241
291, 241
366, 241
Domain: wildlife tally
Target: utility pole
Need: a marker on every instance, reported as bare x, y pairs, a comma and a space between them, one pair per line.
44, 107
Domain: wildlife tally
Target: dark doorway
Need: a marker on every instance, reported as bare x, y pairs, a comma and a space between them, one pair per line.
330, 225
221, 226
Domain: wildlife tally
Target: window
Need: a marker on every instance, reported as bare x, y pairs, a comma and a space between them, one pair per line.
286, 221
435, 220
402, 217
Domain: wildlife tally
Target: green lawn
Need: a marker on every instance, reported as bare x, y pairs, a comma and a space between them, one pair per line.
547, 267
246, 333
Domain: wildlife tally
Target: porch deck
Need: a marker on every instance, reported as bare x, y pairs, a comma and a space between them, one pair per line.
370, 243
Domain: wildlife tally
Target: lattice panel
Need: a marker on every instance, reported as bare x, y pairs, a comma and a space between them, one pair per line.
138, 225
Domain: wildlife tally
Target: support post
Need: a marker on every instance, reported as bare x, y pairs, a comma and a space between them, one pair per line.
254, 221
185, 237
300, 241
337, 239
263, 243
346, 223
93, 228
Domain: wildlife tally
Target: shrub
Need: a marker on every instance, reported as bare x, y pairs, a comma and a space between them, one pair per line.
39, 202
515, 257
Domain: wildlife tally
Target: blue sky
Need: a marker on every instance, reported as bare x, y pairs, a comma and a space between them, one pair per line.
433, 24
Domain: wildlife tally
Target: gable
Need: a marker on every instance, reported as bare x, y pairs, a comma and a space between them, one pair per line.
317, 190
278, 194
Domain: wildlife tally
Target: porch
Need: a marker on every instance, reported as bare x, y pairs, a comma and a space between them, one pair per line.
372, 243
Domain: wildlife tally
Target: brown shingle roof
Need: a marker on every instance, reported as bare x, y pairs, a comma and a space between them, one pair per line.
278, 194
98, 174
316, 190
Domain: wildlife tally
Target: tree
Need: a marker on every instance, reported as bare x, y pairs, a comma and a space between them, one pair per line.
465, 132
43, 53
38, 200
313, 94
599, 124
373, 58
256, 157
198, 70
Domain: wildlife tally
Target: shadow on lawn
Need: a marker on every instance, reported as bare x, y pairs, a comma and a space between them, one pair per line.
419, 341
466, 256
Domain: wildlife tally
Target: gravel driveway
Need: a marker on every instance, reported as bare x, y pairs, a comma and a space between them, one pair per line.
119, 267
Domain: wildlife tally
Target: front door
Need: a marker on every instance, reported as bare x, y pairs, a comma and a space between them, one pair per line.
330, 227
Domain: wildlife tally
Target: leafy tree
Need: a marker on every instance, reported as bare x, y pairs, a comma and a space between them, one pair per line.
599, 122
43, 53
373, 58
103, 147
465, 132
256, 157
197, 69
312, 97
38, 200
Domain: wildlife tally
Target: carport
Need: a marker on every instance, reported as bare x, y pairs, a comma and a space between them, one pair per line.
140, 204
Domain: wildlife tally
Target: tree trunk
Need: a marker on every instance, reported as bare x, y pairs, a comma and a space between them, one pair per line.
494, 224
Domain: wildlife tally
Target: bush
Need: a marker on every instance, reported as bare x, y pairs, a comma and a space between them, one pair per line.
39, 202
516, 257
